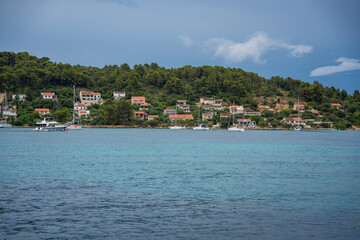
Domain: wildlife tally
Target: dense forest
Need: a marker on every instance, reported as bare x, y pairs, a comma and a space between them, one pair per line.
22, 73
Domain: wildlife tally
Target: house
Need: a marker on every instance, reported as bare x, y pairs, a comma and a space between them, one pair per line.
337, 105
139, 115
48, 96
144, 106
9, 113
315, 112
84, 113
42, 111
152, 117
88, 98
210, 101
299, 107
207, 116
213, 108
185, 107
137, 100
251, 112
169, 111
118, 95
293, 120
78, 107
236, 109
21, 97
246, 122
181, 117
225, 115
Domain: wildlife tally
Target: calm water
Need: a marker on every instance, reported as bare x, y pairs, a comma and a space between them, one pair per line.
162, 184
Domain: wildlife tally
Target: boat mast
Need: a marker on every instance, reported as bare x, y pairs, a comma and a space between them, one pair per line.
74, 107
176, 114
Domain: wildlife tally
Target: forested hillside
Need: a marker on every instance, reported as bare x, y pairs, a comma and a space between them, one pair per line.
22, 73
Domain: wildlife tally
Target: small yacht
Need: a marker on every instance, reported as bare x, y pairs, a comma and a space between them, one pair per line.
177, 127
201, 127
74, 126
49, 125
4, 124
235, 129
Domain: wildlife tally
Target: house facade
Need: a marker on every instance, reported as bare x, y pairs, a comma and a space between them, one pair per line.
210, 101
184, 106
236, 109
251, 112
89, 98
207, 116
299, 107
83, 113
213, 107
225, 115
78, 107
21, 97
42, 111
293, 120
169, 111
152, 117
139, 115
246, 122
138, 100
48, 96
118, 95
337, 105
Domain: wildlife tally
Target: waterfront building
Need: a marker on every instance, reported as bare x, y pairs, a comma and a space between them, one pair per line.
251, 112
152, 117
169, 111
139, 115
236, 109
246, 122
207, 116
181, 117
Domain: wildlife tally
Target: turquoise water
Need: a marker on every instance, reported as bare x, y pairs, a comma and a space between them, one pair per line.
156, 184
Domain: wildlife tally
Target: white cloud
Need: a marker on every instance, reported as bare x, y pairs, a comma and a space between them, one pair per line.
346, 64
252, 49
186, 40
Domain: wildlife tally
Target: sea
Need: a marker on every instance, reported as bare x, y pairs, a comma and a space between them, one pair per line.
179, 184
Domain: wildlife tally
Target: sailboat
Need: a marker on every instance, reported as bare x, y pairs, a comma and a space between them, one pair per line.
74, 126
202, 126
176, 127
298, 127
3, 123
234, 127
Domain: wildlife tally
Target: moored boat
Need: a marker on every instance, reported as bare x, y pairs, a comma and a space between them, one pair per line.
201, 127
49, 125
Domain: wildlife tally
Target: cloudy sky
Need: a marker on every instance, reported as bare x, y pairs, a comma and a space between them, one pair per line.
303, 39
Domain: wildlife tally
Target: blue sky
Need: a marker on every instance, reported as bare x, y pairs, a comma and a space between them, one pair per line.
302, 39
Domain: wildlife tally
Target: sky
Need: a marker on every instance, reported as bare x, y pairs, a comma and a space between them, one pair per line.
309, 40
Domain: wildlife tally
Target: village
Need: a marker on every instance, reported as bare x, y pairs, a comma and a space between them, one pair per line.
217, 113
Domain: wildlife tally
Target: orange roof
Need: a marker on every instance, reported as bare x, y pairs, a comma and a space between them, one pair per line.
119, 92
83, 112
181, 100
207, 114
300, 105
296, 119
153, 116
144, 104
181, 116
336, 104
138, 98
89, 93
42, 110
48, 94
139, 112
80, 105
243, 119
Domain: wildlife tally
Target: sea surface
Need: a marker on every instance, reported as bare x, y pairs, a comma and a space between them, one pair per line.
167, 184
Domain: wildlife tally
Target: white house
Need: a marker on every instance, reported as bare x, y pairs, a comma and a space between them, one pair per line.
88, 98
236, 109
21, 97
48, 96
118, 95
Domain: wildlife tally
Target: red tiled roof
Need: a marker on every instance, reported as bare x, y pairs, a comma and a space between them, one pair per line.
139, 112
207, 114
144, 104
181, 116
83, 112
47, 94
336, 104
80, 105
42, 109
153, 116
138, 98
243, 119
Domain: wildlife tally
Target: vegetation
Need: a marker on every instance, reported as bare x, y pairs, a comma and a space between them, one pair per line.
22, 73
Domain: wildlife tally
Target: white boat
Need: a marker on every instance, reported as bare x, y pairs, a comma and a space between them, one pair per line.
74, 126
176, 127
234, 127
4, 124
49, 125
297, 128
201, 127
